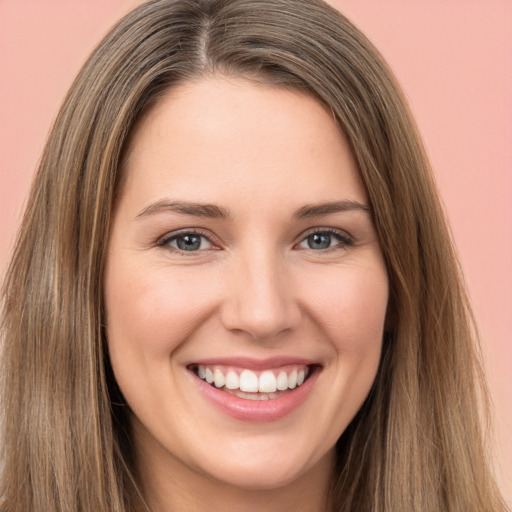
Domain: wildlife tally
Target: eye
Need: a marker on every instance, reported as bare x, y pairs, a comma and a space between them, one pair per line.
325, 239
187, 241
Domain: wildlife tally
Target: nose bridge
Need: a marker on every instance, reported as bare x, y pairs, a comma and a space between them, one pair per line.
261, 298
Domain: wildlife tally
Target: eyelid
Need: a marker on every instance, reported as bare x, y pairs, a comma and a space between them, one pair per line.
345, 238
165, 240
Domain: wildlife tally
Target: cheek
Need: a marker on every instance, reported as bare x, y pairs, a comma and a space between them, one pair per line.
150, 311
350, 305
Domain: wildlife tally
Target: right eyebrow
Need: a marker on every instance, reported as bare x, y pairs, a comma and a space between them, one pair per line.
211, 211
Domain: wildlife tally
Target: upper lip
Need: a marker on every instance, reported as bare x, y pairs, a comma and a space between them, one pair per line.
252, 363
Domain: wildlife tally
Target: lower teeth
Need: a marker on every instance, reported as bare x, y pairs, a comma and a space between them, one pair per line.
252, 396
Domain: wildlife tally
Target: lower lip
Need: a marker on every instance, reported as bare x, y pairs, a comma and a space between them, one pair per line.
257, 411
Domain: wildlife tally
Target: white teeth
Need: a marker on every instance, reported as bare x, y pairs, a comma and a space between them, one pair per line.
267, 382
292, 379
218, 378
282, 381
232, 380
249, 381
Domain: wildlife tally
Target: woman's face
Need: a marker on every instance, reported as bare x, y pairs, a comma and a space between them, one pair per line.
242, 250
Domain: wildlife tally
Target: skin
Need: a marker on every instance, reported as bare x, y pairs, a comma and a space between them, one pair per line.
255, 288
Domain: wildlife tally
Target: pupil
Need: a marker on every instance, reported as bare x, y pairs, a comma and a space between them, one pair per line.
189, 242
319, 241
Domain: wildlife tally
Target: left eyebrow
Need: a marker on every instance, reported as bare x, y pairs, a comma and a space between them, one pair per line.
317, 210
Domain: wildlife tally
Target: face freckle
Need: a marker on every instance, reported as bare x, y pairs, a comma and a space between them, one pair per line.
245, 287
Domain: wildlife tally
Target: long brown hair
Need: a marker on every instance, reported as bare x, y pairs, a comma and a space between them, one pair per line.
417, 442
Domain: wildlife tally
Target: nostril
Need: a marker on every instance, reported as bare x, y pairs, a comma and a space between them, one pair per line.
261, 323
260, 300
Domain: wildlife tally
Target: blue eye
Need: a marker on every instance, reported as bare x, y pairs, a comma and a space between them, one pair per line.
322, 240
187, 242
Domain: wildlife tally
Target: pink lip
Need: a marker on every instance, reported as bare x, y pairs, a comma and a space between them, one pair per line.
256, 411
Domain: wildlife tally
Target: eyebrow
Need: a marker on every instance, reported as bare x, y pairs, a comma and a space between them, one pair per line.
211, 211
318, 210
214, 211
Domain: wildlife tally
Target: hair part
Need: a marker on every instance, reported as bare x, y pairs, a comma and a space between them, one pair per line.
417, 442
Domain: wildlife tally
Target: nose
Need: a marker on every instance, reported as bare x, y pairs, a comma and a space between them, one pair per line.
260, 299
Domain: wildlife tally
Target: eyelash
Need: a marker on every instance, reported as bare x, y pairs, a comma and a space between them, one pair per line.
343, 238
166, 241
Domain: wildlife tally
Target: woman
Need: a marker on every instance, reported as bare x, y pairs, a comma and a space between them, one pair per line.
234, 286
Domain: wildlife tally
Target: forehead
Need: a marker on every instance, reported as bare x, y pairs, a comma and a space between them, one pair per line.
217, 137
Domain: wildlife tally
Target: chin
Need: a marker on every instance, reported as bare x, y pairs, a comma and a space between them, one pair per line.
272, 470
256, 478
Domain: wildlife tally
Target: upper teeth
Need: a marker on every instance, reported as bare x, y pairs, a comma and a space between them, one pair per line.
246, 380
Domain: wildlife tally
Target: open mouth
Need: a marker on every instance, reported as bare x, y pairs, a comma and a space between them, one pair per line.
254, 385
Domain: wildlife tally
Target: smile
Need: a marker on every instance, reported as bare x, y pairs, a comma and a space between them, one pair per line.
258, 393
253, 385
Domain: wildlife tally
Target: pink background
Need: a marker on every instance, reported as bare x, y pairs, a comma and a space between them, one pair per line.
454, 60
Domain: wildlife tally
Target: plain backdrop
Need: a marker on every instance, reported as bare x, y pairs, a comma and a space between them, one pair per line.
454, 61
